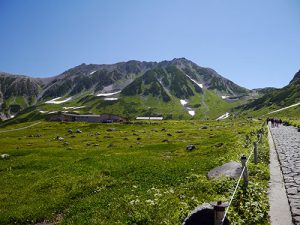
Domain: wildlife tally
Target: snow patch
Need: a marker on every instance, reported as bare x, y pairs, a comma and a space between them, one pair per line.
225, 116
74, 107
183, 102
12, 116
110, 99
93, 72
192, 112
108, 94
52, 112
278, 110
225, 96
43, 111
200, 85
55, 100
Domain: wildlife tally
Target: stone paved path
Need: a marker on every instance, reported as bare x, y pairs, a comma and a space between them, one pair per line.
287, 144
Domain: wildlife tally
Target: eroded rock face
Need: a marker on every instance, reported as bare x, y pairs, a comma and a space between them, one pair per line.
202, 215
230, 170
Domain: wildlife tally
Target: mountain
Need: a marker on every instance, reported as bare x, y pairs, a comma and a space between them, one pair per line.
176, 89
275, 98
18, 92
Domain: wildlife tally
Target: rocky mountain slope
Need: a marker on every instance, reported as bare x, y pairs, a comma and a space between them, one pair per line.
180, 84
276, 98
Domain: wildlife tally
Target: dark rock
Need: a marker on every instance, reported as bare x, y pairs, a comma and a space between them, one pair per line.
110, 145
166, 140
111, 129
202, 215
190, 147
138, 138
107, 136
218, 145
78, 131
125, 139
70, 131
169, 134
204, 127
164, 129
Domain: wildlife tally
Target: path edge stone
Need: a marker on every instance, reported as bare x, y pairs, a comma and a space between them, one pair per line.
280, 212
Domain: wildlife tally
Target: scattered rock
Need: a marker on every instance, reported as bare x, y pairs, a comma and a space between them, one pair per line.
110, 145
107, 136
164, 129
218, 145
231, 170
66, 143
59, 138
178, 131
125, 139
5, 156
190, 147
97, 133
203, 214
88, 144
111, 129
138, 138
204, 127
166, 140
70, 131
169, 134
78, 131
95, 145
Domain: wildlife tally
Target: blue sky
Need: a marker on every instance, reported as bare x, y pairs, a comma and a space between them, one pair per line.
253, 43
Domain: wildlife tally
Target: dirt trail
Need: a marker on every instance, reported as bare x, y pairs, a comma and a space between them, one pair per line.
22, 128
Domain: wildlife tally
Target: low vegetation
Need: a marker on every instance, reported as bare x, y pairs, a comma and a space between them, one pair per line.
80, 173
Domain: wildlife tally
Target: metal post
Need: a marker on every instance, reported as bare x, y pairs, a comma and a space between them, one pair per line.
245, 174
255, 153
219, 212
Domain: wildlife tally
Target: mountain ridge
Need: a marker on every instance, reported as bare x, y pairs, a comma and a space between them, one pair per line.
166, 82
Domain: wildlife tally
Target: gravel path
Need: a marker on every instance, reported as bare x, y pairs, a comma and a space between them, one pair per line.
22, 128
287, 144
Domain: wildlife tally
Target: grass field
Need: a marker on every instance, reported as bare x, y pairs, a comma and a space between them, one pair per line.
125, 173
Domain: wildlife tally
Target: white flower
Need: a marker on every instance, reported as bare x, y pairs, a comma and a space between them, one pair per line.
150, 202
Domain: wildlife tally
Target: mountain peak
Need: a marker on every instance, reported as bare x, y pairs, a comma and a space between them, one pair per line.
296, 77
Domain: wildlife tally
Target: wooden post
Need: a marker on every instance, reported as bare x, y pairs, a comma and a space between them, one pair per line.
245, 174
259, 136
219, 212
255, 152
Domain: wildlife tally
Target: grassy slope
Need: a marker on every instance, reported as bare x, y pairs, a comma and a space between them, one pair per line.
139, 180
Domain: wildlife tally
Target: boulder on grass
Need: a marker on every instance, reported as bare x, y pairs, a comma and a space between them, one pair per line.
190, 147
5, 156
78, 131
230, 170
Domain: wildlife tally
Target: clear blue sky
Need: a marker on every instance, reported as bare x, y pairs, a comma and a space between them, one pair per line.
255, 43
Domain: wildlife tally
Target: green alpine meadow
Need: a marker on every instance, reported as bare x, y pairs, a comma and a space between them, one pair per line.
136, 173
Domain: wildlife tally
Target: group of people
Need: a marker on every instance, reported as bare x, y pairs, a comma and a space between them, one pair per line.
274, 122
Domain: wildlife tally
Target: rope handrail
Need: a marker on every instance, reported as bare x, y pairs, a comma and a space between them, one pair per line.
236, 187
